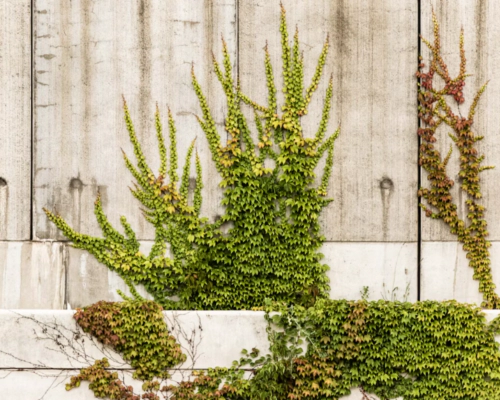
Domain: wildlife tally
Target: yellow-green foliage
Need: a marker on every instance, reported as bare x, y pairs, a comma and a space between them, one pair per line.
271, 247
103, 383
136, 329
426, 350
434, 110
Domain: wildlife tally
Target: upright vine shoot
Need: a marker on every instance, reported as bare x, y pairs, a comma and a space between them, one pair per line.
434, 109
271, 247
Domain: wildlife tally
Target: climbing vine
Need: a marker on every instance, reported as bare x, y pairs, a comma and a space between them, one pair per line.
434, 110
425, 350
136, 329
271, 247
319, 348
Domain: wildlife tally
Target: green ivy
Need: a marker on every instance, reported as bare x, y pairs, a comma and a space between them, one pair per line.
434, 110
103, 383
424, 350
271, 247
137, 330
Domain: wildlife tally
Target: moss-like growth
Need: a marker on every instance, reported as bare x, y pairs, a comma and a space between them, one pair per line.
434, 110
271, 248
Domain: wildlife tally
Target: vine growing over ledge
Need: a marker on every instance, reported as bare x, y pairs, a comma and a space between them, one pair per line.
434, 110
271, 247
425, 350
136, 329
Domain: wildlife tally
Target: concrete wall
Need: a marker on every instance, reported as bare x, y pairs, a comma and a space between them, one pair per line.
65, 65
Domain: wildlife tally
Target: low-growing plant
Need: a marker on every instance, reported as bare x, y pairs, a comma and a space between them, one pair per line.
271, 247
425, 350
136, 329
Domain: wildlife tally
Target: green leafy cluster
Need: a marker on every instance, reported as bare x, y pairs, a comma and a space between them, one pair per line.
137, 330
434, 110
271, 215
103, 383
424, 350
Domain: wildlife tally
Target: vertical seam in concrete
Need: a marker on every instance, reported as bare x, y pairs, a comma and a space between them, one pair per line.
65, 262
237, 25
237, 50
419, 171
32, 120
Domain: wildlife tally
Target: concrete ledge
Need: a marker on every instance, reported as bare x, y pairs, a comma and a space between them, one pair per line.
50, 385
52, 339
41, 349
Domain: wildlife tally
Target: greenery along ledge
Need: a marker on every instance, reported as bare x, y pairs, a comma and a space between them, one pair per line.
427, 350
271, 247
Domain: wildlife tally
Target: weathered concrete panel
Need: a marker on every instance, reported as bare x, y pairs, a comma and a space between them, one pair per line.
32, 275
87, 54
15, 124
389, 270
90, 281
372, 57
482, 47
208, 338
446, 273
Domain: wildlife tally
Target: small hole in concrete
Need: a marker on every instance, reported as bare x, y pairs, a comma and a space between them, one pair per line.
386, 184
3, 182
75, 183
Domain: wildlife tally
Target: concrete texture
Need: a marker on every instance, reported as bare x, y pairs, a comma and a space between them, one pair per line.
32, 275
88, 53
201, 334
15, 124
388, 270
373, 48
54, 275
481, 41
446, 273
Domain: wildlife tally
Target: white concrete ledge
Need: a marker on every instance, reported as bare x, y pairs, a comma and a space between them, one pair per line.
41, 349
50, 385
52, 339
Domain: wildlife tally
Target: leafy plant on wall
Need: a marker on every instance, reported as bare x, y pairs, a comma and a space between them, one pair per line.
424, 350
271, 247
436, 109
